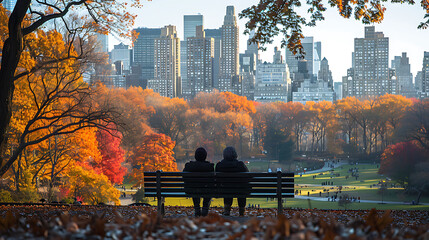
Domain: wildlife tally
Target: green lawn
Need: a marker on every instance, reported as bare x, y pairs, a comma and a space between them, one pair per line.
294, 203
361, 187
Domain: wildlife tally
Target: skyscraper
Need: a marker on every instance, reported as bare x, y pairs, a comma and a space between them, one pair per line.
229, 79
249, 58
121, 52
403, 73
200, 63
371, 74
425, 76
317, 56
167, 63
272, 80
216, 34
308, 45
102, 43
190, 22
144, 53
325, 75
310, 89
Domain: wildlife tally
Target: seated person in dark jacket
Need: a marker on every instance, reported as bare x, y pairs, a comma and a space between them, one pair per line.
200, 165
231, 164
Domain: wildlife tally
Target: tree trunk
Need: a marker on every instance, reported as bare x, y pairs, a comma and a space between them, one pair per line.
11, 54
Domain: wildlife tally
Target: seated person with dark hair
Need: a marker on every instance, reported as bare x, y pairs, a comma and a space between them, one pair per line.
200, 165
231, 164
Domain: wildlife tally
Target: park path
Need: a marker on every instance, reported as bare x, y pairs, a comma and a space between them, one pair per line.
325, 199
328, 166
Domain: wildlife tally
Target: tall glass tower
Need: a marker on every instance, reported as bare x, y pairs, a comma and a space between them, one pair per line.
190, 23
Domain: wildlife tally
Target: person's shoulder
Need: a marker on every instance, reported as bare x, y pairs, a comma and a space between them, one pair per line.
243, 165
188, 165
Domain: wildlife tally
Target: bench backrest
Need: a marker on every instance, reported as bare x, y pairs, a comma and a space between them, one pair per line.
216, 184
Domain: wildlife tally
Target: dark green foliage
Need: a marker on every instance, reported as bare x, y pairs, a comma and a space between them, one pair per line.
138, 197
286, 151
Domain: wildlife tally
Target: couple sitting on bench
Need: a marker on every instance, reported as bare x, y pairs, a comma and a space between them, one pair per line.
228, 164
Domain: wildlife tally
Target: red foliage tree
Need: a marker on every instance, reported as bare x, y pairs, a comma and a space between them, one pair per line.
398, 161
112, 156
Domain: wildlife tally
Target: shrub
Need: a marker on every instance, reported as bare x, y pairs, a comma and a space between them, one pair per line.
138, 197
26, 195
5, 196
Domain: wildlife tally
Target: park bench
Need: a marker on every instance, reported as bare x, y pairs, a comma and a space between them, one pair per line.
218, 185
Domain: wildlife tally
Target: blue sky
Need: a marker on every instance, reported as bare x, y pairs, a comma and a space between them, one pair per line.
336, 33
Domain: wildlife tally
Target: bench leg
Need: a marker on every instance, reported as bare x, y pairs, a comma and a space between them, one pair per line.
160, 205
279, 206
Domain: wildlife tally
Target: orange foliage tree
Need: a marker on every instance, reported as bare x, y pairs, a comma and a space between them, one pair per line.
26, 19
154, 153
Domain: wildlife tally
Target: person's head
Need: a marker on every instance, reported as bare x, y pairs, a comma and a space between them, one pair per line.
229, 153
200, 154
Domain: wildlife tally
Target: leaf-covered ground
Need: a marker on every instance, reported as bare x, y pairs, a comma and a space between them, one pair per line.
107, 222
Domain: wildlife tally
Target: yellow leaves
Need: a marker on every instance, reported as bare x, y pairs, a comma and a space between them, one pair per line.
94, 188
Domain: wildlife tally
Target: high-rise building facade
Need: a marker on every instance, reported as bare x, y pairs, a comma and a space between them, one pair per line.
317, 57
167, 62
102, 43
418, 81
325, 75
313, 88
216, 34
338, 89
200, 63
308, 45
402, 67
121, 52
371, 73
144, 49
313, 52
272, 80
229, 79
425, 75
190, 22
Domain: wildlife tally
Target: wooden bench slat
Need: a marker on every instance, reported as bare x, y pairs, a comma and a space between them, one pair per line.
206, 180
182, 184
224, 190
222, 174
252, 195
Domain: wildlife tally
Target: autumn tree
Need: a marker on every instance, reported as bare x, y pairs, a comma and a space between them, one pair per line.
223, 102
154, 153
58, 101
92, 187
134, 112
112, 156
398, 161
169, 116
415, 124
57, 154
105, 15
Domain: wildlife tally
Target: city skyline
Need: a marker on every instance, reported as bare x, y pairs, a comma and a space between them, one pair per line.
336, 33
